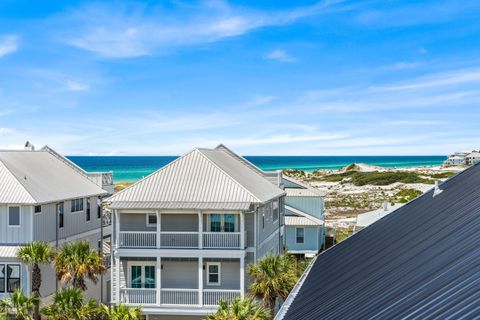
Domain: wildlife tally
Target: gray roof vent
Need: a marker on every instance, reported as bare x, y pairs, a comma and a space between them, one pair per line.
437, 190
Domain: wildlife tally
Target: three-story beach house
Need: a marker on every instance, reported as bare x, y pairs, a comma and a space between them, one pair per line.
45, 197
184, 235
304, 226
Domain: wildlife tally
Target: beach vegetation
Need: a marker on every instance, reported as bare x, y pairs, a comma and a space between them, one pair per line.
241, 309
405, 195
76, 262
376, 178
18, 306
35, 254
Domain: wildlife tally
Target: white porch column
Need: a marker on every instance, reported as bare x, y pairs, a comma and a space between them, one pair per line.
200, 281
159, 278
200, 230
159, 228
117, 277
242, 230
117, 228
242, 276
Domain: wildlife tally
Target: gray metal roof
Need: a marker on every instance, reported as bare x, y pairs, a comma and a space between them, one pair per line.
419, 262
202, 178
301, 221
29, 177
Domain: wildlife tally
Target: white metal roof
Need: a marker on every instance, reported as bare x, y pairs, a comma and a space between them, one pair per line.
202, 178
296, 192
29, 177
300, 221
180, 205
367, 218
302, 186
292, 212
9, 251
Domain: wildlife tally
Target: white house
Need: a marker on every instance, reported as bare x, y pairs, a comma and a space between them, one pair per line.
184, 235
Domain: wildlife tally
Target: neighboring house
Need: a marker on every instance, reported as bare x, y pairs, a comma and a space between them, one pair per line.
472, 158
419, 262
45, 197
184, 235
367, 218
458, 158
304, 226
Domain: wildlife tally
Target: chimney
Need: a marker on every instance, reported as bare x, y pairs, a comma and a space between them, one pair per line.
385, 205
28, 146
437, 189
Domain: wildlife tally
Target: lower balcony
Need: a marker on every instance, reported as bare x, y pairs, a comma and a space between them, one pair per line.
176, 297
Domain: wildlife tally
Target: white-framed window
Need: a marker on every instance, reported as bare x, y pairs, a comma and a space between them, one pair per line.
213, 273
37, 209
142, 274
275, 210
99, 208
76, 205
151, 220
14, 216
9, 277
61, 216
222, 222
300, 235
87, 212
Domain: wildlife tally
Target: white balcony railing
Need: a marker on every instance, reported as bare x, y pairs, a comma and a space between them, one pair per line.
179, 296
211, 297
138, 296
221, 239
179, 239
135, 239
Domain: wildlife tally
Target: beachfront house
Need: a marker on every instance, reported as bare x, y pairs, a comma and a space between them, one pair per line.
456, 159
418, 262
304, 226
472, 158
45, 197
184, 235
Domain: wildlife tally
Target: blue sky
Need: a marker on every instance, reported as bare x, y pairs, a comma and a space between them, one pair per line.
263, 77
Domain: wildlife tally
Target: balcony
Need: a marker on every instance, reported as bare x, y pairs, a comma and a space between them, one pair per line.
180, 240
176, 297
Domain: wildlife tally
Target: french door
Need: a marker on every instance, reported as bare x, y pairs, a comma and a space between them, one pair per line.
142, 275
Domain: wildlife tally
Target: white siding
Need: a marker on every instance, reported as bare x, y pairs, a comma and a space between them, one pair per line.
16, 234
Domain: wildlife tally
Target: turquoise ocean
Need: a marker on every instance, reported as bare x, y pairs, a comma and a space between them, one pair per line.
133, 168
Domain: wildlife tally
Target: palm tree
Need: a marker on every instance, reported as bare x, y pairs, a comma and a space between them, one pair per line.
34, 254
68, 303
240, 309
273, 278
20, 305
76, 262
121, 312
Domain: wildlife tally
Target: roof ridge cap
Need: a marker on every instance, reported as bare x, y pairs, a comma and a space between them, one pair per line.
230, 177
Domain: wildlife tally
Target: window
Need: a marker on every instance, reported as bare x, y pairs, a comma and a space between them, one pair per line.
2, 278
275, 210
263, 220
9, 277
142, 276
300, 235
14, 216
215, 223
151, 220
60, 214
76, 205
213, 276
87, 213
229, 223
99, 208
37, 209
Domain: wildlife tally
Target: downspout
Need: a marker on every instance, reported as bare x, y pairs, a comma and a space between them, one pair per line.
99, 207
56, 240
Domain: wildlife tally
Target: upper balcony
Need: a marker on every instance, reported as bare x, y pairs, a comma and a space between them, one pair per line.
102, 179
182, 231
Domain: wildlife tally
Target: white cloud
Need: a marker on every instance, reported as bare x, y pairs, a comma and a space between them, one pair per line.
72, 85
280, 55
8, 44
124, 31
